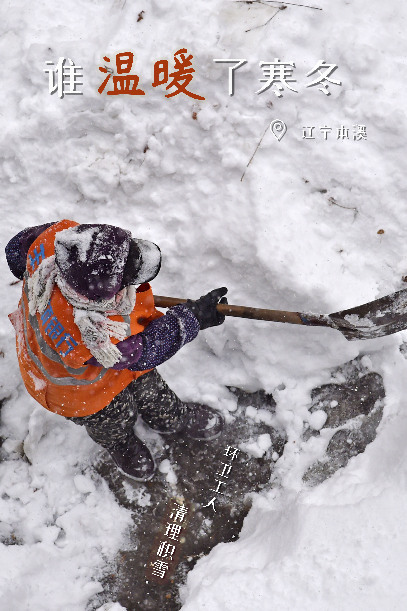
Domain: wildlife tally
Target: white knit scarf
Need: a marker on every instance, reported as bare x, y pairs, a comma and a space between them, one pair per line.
91, 317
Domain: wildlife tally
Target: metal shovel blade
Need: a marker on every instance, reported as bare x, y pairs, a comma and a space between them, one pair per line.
377, 318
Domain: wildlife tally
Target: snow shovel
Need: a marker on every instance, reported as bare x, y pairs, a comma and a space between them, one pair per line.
383, 316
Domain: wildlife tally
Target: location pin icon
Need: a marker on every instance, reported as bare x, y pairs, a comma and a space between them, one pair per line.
278, 128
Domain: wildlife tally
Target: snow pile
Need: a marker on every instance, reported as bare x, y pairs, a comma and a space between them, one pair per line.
340, 545
314, 225
258, 447
59, 521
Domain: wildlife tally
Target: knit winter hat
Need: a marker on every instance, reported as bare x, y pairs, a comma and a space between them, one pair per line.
98, 260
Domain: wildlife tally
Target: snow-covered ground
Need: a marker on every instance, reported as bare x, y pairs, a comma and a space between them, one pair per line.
314, 225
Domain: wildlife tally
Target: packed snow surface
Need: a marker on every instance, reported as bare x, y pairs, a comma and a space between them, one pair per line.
314, 225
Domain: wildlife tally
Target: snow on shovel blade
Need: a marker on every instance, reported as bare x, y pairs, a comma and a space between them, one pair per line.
377, 318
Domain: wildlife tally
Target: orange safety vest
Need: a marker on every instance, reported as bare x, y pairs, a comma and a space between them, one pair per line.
50, 350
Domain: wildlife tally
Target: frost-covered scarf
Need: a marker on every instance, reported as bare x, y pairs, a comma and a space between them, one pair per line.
91, 317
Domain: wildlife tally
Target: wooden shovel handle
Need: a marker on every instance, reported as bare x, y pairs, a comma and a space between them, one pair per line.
293, 318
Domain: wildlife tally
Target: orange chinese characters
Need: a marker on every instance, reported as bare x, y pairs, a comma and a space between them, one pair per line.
127, 84
181, 77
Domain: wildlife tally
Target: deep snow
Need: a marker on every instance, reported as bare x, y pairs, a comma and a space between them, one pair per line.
300, 232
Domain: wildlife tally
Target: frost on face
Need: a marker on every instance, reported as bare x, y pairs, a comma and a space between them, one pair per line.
113, 254
68, 238
92, 258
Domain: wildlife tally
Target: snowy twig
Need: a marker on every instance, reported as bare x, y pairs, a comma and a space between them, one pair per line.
268, 20
251, 158
332, 201
316, 8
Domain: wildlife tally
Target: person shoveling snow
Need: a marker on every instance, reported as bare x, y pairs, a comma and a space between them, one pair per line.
88, 340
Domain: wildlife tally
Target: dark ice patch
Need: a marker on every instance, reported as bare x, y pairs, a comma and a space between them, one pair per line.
354, 406
196, 464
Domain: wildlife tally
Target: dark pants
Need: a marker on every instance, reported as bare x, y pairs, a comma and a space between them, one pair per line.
148, 396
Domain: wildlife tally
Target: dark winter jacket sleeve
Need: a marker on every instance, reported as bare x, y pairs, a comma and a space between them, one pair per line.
17, 248
159, 341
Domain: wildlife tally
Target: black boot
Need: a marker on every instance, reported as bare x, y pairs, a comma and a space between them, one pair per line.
203, 422
197, 421
134, 459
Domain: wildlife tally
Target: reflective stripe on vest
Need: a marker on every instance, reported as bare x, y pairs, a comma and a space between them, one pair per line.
47, 350
42, 343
